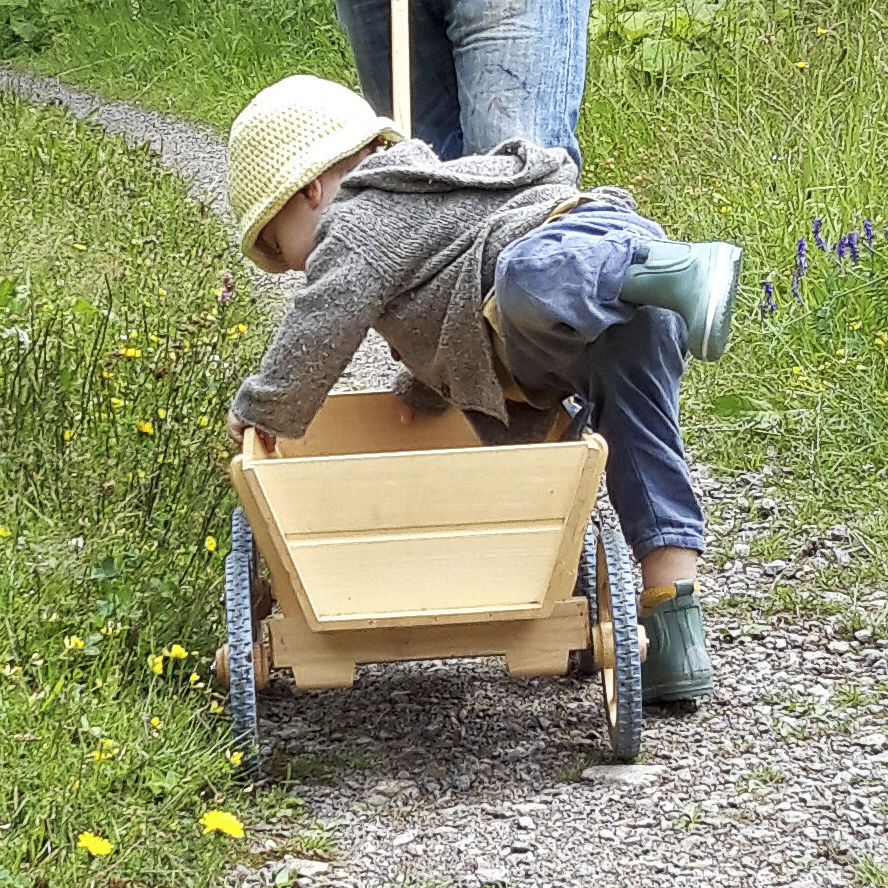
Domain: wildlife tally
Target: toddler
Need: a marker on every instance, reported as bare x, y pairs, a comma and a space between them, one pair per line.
503, 290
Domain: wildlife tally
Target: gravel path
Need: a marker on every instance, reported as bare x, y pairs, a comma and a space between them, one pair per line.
448, 773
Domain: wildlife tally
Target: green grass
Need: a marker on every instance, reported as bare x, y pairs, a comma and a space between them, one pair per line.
108, 319
871, 873
202, 60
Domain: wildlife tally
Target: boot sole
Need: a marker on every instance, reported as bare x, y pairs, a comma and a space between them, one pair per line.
675, 694
720, 308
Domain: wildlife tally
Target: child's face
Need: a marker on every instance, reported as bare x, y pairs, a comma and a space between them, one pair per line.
289, 237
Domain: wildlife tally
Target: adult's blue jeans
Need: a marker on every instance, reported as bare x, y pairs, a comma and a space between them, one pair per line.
566, 332
482, 71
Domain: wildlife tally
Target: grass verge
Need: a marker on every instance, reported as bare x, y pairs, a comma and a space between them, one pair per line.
117, 363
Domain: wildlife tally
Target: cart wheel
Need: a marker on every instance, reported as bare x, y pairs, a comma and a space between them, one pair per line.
605, 578
238, 616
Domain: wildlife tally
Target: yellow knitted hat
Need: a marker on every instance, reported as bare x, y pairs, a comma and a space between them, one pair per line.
288, 135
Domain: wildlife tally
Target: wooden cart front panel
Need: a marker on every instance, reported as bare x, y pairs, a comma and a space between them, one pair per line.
424, 535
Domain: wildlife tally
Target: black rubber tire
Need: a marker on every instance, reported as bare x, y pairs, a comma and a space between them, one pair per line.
239, 622
605, 557
625, 722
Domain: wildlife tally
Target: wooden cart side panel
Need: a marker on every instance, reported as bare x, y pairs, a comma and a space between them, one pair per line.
564, 572
427, 489
370, 422
285, 579
531, 647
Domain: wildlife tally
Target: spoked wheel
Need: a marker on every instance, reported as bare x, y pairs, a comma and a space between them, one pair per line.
605, 578
244, 660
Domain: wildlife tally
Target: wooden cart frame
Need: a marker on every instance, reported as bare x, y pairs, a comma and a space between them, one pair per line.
387, 541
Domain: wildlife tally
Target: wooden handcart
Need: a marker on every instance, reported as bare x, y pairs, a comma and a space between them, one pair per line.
385, 542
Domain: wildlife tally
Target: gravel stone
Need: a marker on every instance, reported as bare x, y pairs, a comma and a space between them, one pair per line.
763, 783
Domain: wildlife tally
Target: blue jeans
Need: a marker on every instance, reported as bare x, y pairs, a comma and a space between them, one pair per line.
482, 71
567, 332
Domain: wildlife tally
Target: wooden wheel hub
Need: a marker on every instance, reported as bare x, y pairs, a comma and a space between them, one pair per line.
261, 666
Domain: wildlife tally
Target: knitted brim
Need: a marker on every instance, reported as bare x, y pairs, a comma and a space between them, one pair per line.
295, 175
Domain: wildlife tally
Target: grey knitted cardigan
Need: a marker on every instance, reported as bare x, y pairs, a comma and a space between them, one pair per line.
409, 247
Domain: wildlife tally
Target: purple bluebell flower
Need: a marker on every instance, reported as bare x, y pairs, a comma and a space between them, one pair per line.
868, 232
818, 237
842, 247
769, 306
801, 257
853, 247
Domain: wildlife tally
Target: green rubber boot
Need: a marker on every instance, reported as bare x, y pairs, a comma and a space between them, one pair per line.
677, 666
699, 281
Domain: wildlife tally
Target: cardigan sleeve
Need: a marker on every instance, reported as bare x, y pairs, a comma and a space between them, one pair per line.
313, 345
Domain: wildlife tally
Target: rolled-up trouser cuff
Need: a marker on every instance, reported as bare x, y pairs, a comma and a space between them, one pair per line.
678, 539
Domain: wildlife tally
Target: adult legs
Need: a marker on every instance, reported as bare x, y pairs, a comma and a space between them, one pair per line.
520, 68
434, 95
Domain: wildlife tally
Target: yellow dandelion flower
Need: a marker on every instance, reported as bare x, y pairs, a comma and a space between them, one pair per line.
107, 374
216, 707
856, 325
210, 544
156, 723
6, 533
161, 291
161, 413
155, 663
68, 434
222, 822
194, 679
821, 32
106, 751
80, 247
132, 353
74, 643
116, 403
801, 64
796, 370
236, 758
145, 426
176, 652
203, 422
94, 845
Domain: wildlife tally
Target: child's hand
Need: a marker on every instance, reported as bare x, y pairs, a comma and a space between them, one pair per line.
408, 414
236, 428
